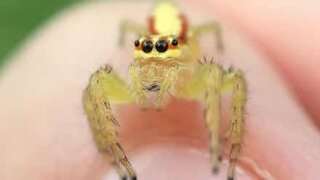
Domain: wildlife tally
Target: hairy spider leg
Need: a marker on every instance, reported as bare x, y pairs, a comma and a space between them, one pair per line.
234, 80
205, 85
106, 87
208, 84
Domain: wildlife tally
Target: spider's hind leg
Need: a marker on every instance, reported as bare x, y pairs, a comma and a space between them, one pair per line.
128, 26
212, 27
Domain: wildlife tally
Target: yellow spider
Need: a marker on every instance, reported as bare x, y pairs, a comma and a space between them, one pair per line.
166, 62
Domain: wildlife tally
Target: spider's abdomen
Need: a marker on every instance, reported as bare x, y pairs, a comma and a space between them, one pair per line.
166, 19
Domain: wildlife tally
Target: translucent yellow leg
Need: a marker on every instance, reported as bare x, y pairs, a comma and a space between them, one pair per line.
115, 163
211, 80
206, 85
209, 28
128, 26
213, 111
235, 81
105, 87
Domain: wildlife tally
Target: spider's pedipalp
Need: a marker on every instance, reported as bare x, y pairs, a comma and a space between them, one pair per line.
165, 86
137, 85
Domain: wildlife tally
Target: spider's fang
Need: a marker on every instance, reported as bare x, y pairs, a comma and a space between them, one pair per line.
153, 87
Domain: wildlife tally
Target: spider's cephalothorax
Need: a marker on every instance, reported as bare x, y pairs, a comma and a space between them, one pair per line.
165, 63
156, 60
167, 19
159, 60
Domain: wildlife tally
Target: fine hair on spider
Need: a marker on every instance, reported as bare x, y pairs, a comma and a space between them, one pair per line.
166, 62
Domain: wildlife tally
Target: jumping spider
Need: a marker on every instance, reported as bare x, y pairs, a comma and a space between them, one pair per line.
166, 61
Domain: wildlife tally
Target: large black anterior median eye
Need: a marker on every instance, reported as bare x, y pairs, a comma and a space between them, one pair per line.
161, 46
147, 46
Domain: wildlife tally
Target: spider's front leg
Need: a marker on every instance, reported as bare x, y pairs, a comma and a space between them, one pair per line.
105, 87
235, 81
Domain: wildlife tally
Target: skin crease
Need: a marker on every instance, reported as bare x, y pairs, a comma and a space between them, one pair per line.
44, 132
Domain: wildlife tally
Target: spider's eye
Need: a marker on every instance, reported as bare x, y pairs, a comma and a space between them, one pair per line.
161, 46
147, 46
136, 43
174, 42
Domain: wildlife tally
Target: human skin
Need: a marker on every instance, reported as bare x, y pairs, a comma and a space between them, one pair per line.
44, 131
287, 32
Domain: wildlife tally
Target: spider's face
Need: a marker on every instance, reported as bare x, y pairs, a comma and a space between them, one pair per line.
159, 47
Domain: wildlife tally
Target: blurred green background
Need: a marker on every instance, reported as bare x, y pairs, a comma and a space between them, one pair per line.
19, 17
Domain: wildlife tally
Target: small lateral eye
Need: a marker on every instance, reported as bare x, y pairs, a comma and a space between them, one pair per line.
174, 42
136, 43
147, 46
